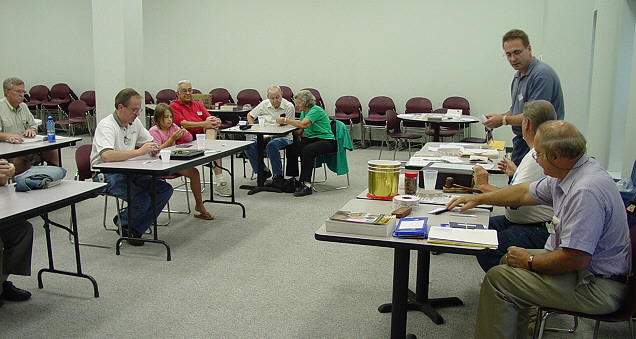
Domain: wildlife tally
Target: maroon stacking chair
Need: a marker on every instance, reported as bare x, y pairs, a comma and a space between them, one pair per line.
394, 131
166, 96
417, 105
349, 111
38, 95
61, 96
287, 93
376, 119
316, 94
248, 96
445, 130
195, 91
459, 103
89, 98
149, 99
221, 95
625, 312
77, 114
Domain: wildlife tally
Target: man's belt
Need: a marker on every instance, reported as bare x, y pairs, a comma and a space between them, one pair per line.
618, 278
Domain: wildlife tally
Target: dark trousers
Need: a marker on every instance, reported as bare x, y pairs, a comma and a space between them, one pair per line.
16, 245
307, 150
519, 149
510, 234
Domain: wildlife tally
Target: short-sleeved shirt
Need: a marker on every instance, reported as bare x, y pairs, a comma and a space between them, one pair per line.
590, 216
528, 171
161, 137
110, 135
540, 82
194, 112
15, 120
320, 123
265, 111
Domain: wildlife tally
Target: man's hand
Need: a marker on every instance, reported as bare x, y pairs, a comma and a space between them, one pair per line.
149, 148
507, 167
518, 257
281, 120
7, 169
494, 120
469, 202
29, 133
14, 139
480, 175
212, 122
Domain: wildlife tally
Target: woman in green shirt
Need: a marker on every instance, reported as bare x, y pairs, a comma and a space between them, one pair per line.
320, 140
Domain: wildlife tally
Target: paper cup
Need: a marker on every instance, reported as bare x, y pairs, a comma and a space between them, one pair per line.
430, 179
165, 155
261, 122
201, 141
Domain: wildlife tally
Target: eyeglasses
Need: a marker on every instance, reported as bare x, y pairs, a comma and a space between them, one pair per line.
516, 53
17, 91
136, 111
185, 90
536, 155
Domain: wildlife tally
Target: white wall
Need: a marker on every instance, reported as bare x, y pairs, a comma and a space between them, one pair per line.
367, 48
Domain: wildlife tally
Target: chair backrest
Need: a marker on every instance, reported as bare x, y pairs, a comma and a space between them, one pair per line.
89, 98
39, 93
83, 162
457, 103
380, 104
166, 96
195, 91
318, 97
248, 96
392, 122
77, 109
221, 95
418, 105
287, 93
149, 99
61, 91
349, 105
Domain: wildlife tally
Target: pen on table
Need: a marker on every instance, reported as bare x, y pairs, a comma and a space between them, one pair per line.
149, 161
463, 215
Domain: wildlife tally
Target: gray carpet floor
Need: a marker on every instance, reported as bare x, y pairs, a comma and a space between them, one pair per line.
263, 276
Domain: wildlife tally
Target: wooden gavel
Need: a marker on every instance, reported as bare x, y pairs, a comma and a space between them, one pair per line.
450, 183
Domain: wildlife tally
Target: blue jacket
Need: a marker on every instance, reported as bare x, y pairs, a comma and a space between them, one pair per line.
38, 177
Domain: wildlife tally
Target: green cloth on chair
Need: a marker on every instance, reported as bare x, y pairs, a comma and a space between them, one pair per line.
337, 162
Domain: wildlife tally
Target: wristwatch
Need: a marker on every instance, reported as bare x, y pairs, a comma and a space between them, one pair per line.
530, 258
503, 120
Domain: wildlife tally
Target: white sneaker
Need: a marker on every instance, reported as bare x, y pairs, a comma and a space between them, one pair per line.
222, 188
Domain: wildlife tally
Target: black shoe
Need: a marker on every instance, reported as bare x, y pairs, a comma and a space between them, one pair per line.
301, 192
277, 181
1, 303
12, 293
133, 234
268, 174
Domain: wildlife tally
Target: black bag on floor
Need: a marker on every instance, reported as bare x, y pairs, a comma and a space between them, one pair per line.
289, 185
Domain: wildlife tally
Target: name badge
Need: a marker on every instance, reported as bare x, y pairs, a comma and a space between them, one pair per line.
520, 97
199, 113
550, 225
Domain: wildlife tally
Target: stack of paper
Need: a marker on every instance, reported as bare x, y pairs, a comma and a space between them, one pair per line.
463, 237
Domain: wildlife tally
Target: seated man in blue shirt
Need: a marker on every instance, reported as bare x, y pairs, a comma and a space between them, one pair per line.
586, 260
16, 243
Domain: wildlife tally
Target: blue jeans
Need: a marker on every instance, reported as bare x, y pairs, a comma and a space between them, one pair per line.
510, 234
142, 214
272, 148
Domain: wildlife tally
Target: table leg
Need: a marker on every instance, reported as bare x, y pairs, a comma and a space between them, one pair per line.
400, 293
420, 301
436, 129
78, 262
260, 175
233, 196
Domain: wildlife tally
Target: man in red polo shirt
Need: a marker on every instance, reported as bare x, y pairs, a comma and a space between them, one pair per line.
194, 117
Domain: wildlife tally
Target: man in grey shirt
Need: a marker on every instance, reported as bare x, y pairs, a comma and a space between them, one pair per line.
586, 260
16, 123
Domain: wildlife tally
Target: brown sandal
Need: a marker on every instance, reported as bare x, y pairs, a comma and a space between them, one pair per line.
204, 216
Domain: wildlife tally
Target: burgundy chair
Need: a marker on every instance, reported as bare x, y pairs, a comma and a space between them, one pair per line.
149, 99
89, 98
287, 93
77, 114
248, 96
166, 96
625, 312
195, 91
316, 94
417, 105
349, 111
445, 130
38, 95
221, 95
459, 103
394, 131
60, 98
376, 119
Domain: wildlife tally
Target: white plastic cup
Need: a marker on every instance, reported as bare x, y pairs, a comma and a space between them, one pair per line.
261, 122
201, 141
430, 178
165, 155
242, 122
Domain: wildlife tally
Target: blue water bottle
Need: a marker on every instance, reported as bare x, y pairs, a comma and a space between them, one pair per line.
50, 129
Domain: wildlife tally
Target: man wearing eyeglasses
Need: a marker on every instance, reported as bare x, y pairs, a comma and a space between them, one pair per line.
16, 124
585, 262
524, 226
534, 80
116, 138
194, 117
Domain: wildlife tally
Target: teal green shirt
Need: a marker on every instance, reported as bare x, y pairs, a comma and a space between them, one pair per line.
320, 123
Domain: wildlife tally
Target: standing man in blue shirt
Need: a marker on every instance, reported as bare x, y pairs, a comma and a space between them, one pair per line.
586, 259
534, 80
